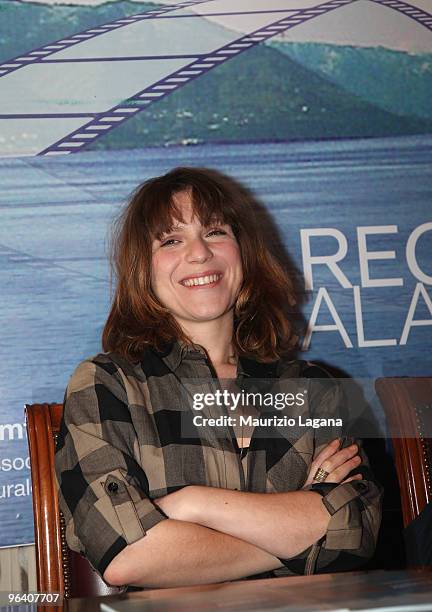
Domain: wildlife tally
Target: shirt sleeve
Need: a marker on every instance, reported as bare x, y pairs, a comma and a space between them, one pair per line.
354, 508
103, 491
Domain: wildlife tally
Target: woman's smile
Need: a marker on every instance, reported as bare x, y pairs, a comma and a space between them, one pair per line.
206, 280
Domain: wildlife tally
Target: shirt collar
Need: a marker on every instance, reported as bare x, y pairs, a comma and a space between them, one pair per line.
257, 369
174, 353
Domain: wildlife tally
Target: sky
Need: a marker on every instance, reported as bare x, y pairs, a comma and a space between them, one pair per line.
362, 23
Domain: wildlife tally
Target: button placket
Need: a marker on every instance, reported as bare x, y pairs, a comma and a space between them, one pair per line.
231, 475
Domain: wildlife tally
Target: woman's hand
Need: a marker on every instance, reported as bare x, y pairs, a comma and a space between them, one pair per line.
338, 463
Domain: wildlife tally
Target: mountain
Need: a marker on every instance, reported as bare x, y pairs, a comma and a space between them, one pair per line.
395, 81
25, 26
259, 95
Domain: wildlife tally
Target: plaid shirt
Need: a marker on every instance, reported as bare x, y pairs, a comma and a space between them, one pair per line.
121, 446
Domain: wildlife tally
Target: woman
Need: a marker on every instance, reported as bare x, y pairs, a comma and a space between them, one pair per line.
151, 497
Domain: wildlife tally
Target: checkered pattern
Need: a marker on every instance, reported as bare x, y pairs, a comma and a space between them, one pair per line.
122, 445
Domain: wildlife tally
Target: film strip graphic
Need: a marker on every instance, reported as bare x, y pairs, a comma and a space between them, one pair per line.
41, 53
37, 55
115, 116
101, 122
420, 16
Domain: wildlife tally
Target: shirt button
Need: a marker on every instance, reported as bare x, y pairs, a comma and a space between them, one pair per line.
113, 487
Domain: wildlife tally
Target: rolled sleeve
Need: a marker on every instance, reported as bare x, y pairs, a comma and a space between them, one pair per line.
352, 532
354, 508
103, 491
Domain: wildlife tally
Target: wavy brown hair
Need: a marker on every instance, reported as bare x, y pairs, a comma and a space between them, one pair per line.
137, 319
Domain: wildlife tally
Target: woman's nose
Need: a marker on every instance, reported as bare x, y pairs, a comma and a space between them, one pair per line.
198, 250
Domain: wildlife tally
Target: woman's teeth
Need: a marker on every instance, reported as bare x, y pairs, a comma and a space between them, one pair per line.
202, 280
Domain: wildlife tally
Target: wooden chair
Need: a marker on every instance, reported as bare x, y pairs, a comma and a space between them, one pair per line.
59, 569
407, 404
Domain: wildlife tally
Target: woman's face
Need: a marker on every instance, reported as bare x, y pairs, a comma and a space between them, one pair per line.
196, 270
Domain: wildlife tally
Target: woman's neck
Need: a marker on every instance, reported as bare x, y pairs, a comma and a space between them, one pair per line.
216, 337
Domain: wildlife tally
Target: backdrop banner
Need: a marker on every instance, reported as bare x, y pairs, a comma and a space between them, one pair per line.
322, 109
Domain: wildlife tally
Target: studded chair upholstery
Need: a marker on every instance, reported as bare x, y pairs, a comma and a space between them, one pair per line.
407, 404
59, 569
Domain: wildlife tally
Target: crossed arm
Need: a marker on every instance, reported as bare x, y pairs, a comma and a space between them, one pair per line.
213, 534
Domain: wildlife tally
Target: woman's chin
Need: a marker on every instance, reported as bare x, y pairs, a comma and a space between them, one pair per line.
206, 314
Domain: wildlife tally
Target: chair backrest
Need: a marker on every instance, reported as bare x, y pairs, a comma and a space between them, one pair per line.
59, 569
407, 404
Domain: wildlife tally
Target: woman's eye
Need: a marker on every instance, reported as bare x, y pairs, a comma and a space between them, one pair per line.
168, 242
216, 231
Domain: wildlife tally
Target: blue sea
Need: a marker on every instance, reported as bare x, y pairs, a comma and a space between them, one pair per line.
54, 277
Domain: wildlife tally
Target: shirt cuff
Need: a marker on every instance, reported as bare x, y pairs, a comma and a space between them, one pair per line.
136, 514
344, 531
126, 514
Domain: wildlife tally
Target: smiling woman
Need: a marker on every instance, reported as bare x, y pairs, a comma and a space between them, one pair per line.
191, 224
201, 303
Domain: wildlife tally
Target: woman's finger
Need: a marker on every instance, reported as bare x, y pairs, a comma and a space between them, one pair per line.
342, 471
326, 452
339, 458
330, 449
356, 477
